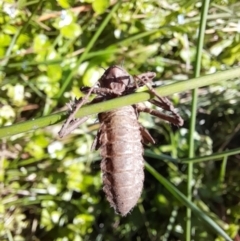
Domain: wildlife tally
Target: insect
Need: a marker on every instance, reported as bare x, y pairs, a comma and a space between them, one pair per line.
120, 135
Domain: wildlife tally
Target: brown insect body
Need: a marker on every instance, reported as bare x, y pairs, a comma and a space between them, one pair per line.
122, 165
120, 135
119, 139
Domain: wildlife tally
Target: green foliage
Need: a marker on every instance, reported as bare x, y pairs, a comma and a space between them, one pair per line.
50, 188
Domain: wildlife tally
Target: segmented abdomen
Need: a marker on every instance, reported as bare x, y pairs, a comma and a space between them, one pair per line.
122, 163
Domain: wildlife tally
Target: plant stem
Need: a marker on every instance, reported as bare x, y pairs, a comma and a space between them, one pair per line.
88, 48
119, 102
191, 153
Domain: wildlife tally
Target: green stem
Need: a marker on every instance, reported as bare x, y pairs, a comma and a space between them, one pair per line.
215, 156
191, 153
184, 200
223, 169
221, 156
119, 102
88, 48
16, 36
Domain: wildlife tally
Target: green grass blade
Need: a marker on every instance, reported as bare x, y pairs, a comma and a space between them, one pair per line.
89, 46
184, 200
60, 60
213, 157
197, 68
16, 36
161, 156
223, 169
119, 102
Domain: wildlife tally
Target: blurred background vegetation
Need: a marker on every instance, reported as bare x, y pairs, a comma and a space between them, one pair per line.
51, 188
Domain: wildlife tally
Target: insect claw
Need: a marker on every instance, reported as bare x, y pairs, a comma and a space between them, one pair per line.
69, 106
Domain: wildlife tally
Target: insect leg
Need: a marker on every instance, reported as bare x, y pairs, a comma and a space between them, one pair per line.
96, 141
175, 119
100, 139
178, 119
65, 130
101, 91
71, 123
73, 110
146, 77
146, 136
163, 102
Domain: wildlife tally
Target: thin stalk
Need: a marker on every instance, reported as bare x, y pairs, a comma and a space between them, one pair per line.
88, 48
119, 102
60, 60
185, 201
191, 153
213, 157
16, 36
221, 156
223, 169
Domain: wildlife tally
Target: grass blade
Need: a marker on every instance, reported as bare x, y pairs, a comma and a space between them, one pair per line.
119, 102
184, 200
191, 153
89, 46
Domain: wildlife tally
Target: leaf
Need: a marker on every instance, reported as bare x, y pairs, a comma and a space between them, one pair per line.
71, 31
64, 3
4, 40
54, 72
100, 6
220, 46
